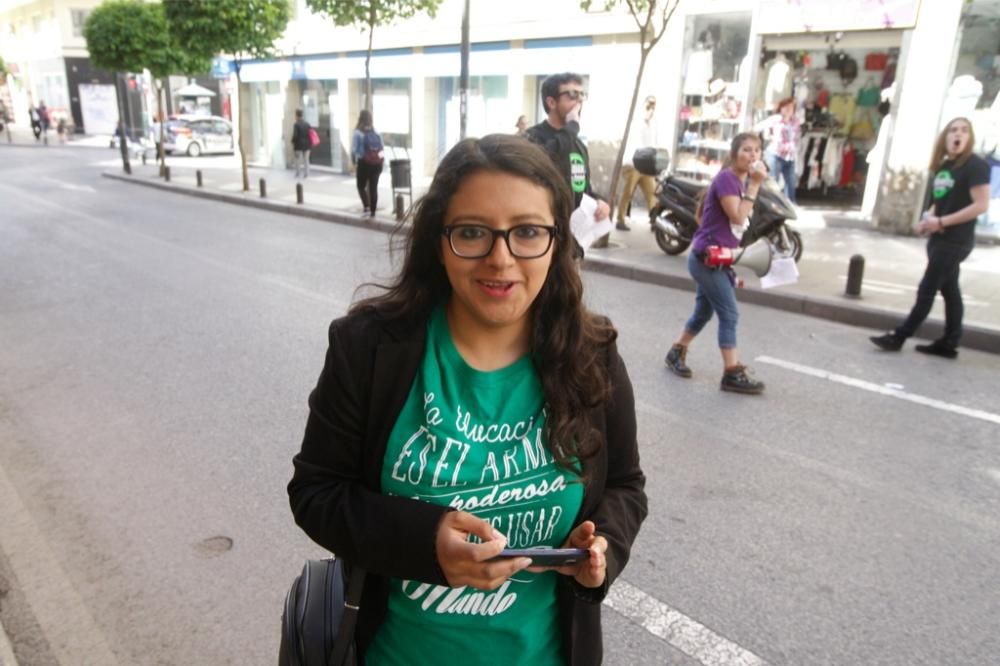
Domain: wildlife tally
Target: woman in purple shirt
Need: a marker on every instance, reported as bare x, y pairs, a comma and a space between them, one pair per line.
724, 210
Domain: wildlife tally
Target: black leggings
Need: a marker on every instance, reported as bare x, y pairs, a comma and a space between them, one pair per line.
368, 184
941, 274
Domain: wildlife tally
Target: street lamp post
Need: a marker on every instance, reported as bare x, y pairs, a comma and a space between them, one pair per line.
464, 82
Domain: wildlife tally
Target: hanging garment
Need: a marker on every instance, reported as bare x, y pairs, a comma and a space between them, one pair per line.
842, 107
699, 72
777, 82
847, 165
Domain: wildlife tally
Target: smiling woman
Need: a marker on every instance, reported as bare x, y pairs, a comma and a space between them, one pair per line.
482, 331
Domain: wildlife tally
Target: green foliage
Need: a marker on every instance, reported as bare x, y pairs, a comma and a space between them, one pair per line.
244, 28
371, 13
3, 68
131, 35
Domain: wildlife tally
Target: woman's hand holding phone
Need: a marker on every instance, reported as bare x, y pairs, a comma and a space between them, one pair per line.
592, 571
466, 563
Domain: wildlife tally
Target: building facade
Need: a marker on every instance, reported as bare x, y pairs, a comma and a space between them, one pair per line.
718, 70
42, 43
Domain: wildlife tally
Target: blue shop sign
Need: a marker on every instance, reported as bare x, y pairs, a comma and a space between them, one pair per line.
222, 68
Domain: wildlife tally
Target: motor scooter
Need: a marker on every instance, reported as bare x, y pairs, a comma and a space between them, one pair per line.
673, 216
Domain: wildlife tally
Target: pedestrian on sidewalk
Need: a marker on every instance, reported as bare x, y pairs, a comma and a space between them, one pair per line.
559, 135
960, 193
368, 153
416, 464
36, 125
301, 144
723, 214
521, 126
645, 136
44, 122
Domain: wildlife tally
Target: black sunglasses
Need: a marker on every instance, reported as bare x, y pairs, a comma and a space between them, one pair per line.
574, 94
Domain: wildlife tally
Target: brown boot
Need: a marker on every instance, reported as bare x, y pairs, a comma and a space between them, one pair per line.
675, 361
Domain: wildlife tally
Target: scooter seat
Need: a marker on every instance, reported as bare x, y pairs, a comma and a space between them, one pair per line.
691, 188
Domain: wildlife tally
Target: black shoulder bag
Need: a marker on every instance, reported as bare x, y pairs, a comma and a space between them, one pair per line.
321, 609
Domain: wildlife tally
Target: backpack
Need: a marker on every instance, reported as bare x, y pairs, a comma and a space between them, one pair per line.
373, 148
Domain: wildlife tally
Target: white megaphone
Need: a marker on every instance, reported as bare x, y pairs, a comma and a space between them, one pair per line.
756, 256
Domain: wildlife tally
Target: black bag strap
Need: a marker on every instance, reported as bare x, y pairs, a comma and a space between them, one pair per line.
352, 603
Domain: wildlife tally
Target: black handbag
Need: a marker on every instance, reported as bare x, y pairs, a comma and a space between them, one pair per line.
321, 609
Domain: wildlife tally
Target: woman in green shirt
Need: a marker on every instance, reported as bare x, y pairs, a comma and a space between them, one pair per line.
475, 405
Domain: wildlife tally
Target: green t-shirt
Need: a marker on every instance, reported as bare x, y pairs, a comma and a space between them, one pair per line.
474, 440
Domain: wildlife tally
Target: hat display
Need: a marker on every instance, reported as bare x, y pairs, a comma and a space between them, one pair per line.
716, 87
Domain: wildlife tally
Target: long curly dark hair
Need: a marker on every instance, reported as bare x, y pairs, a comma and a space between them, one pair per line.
568, 342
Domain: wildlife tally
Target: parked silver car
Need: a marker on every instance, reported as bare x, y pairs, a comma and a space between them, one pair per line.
196, 135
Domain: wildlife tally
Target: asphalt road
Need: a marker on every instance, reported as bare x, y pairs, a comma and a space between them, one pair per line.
156, 356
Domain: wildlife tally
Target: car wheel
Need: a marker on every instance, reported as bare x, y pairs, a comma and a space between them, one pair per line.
194, 149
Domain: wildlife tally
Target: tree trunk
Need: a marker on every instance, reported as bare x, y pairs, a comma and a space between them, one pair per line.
628, 126
122, 140
368, 60
161, 156
239, 124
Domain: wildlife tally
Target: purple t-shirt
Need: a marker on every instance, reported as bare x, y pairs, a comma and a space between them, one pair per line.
715, 226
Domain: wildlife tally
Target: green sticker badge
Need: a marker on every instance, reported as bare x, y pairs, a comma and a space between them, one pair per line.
943, 182
577, 173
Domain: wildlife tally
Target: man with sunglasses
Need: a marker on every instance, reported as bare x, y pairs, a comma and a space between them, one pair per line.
559, 134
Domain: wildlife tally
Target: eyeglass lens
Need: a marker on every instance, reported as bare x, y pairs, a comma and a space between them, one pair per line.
525, 241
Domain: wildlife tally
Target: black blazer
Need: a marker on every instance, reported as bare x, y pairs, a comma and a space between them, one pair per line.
335, 490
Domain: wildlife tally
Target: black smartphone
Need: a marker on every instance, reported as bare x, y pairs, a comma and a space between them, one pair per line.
547, 557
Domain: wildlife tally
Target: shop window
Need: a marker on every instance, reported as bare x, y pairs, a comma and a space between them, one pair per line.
716, 75
79, 19
975, 92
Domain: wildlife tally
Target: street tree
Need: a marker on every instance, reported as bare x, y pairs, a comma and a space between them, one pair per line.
130, 36
367, 15
244, 29
651, 17
4, 112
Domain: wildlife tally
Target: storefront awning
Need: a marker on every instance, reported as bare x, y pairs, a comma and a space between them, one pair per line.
194, 90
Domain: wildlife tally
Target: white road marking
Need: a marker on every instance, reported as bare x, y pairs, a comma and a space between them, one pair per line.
71, 186
693, 639
66, 622
993, 473
883, 390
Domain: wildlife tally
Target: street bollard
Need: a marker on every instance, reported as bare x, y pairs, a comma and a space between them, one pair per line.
298, 193
197, 175
398, 209
263, 189
166, 174
855, 273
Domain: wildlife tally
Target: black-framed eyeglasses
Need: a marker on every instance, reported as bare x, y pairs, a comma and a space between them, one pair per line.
475, 241
574, 94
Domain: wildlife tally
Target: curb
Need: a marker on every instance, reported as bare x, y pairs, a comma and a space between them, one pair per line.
973, 337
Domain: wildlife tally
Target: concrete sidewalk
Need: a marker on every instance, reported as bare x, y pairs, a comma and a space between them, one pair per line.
894, 263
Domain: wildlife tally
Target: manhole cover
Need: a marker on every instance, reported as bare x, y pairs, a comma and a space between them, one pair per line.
213, 546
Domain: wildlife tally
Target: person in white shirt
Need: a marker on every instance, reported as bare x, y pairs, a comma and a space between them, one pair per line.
645, 136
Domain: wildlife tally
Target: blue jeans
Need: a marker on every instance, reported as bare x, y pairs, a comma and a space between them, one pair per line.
714, 293
786, 168
941, 274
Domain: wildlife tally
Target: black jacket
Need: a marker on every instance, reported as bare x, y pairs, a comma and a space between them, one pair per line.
300, 136
560, 144
335, 491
